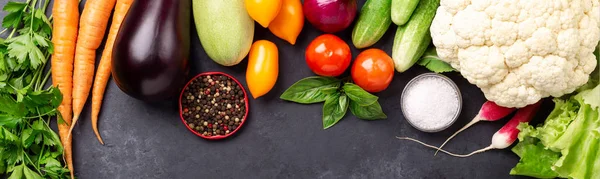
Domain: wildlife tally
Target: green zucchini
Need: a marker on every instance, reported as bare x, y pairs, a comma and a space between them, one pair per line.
374, 19
224, 28
402, 10
412, 38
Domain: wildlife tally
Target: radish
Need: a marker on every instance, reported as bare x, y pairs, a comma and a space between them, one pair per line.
504, 137
489, 111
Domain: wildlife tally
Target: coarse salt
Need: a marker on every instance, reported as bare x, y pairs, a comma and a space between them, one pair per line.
431, 103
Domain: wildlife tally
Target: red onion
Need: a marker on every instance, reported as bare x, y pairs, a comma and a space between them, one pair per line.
330, 16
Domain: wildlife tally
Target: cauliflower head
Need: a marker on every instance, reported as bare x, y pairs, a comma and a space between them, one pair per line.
519, 51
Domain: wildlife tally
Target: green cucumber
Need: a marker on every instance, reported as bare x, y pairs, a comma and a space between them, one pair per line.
402, 10
225, 29
374, 19
412, 38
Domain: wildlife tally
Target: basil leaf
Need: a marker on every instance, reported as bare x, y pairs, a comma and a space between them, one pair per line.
310, 90
330, 90
334, 110
370, 112
359, 95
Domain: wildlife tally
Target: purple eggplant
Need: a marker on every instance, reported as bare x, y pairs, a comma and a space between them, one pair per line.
151, 51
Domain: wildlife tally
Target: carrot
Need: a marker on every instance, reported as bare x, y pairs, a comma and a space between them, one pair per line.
64, 35
489, 111
504, 137
103, 73
92, 26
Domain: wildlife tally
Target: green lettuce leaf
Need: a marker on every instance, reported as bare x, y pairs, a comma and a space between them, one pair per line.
536, 160
581, 148
572, 130
557, 123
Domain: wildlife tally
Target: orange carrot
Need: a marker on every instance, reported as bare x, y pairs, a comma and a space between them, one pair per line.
103, 73
92, 26
64, 35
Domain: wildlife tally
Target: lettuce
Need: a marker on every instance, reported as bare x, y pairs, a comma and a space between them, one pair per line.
567, 145
536, 160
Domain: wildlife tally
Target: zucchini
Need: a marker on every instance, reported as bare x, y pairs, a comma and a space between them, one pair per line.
224, 28
402, 10
374, 19
412, 38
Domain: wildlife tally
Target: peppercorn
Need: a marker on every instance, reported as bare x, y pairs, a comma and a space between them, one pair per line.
213, 105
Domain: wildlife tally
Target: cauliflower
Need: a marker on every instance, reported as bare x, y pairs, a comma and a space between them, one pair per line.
519, 51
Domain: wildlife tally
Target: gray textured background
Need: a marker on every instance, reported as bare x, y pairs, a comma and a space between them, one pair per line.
283, 139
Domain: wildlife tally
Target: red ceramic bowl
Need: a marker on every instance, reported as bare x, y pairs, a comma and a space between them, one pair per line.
217, 136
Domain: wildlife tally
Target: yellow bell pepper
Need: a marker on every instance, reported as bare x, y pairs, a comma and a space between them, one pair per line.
263, 67
289, 22
263, 11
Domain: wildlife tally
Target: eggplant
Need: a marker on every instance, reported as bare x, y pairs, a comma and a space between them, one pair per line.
151, 51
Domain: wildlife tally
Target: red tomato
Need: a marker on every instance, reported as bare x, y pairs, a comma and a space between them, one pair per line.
373, 70
328, 55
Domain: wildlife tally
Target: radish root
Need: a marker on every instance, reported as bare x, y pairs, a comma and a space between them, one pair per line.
475, 120
444, 151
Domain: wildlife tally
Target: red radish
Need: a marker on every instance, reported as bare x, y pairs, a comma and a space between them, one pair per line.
489, 111
504, 137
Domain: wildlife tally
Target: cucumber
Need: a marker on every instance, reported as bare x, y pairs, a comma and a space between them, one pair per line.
374, 19
402, 10
225, 29
412, 38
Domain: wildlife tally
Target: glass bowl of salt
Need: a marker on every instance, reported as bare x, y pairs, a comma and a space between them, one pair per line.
431, 102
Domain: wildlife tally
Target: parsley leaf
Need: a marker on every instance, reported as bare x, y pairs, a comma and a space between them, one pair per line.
14, 6
7, 135
53, 169
3, 77
24, 46
17, 172
29, 148
27, 137
30, 174
43, 102
9, 121
12, 19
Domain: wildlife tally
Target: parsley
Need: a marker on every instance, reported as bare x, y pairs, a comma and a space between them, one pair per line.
29, 148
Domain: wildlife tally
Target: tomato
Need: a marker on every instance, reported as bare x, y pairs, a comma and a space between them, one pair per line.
289, 22
373, 70
263, 67
328, 55
263, 11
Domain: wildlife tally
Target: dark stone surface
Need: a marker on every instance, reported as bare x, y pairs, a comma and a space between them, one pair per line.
283, 139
